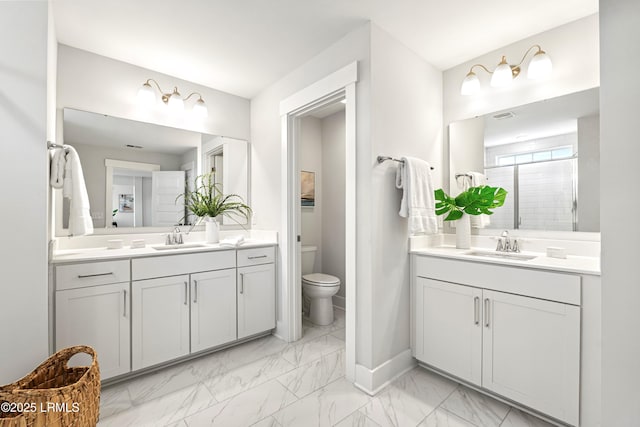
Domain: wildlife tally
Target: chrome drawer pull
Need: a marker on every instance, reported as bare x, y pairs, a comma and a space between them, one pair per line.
195, 291
124, 312
241, 283
84, 276
476, 307
486, 312
186, 291
257, 256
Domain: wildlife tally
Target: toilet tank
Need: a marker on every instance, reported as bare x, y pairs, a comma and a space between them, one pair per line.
308, 258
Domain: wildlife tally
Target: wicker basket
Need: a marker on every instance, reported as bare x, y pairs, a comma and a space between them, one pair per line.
54, 395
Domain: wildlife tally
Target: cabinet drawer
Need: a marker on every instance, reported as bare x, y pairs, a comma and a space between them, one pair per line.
548, 285
173, 265
75, 276
255, 256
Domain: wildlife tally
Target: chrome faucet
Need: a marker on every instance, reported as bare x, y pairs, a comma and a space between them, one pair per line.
505, 244
174, 238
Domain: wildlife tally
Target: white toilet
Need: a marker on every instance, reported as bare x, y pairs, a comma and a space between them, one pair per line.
319, 288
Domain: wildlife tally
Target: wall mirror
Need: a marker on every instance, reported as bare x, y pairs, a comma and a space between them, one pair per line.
545, 154
134, 171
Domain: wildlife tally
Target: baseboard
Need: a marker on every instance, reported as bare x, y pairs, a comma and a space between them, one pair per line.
338, 301
371, 381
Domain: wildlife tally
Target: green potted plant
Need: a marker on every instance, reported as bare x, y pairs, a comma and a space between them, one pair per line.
207, 201
473, 201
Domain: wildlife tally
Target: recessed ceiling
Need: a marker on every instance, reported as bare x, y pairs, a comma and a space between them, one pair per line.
243, 46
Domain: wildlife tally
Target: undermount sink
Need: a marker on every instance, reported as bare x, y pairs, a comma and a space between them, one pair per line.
182, 246
502, 255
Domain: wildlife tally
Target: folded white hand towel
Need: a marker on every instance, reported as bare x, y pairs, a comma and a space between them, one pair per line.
232, 242
80, 222
418, 203
57, 168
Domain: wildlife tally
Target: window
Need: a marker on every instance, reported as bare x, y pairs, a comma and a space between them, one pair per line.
535, 156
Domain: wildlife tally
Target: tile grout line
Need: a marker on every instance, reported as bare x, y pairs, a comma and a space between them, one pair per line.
440, 404
505, 417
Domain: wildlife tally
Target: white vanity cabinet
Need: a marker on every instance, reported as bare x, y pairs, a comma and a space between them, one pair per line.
160, 323
515, 332
213, 309
93, 310
256, 291
150, 309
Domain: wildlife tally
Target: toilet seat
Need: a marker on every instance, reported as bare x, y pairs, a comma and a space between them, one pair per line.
320, 279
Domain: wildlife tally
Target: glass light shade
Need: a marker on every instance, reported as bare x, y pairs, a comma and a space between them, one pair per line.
176, 103
200, 109
470, 84
540, 66
502, 75
146, 96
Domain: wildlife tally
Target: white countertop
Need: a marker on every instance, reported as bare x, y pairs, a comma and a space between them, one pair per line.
572, 264
103, 253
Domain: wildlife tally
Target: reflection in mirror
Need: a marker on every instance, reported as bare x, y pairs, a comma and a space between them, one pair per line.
227, 159
134, 170
545, 154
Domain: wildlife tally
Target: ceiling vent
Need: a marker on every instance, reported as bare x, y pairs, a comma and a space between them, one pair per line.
502, 116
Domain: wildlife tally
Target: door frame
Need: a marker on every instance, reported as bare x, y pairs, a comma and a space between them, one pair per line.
341, 83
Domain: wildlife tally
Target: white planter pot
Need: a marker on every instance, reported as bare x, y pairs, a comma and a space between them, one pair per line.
212, 230
463, 232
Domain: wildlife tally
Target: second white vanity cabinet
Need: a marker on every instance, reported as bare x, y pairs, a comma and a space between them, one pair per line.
213, 309
160, 322
256, 291
515, 332
93, 308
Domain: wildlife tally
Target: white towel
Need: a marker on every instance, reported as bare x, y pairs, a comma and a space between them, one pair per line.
479, 221
232, 242
74, 188
57, 168
418, 202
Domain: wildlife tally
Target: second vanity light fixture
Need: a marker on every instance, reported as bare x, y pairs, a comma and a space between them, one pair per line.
175, 101
539, 67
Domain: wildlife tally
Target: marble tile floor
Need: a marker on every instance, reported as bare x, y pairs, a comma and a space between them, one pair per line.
271, 383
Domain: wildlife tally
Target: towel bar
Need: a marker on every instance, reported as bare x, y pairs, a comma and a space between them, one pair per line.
382, 159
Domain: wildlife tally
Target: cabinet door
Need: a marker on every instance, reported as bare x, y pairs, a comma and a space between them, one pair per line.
213, 308
448, 328
256, 299
97, 316
160, 320
532, 353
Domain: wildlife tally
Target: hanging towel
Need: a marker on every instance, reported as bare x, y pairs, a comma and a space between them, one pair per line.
57, 168
479, 221
413, 176
74, 188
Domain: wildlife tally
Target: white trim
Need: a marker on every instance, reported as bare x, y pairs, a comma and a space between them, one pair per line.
334, 82
371, 381
123, 164
340, 83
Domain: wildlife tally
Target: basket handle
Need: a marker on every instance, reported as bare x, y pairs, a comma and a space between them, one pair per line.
67, 353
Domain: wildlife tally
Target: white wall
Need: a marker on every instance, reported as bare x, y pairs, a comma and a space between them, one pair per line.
23, 256
619, 150
266, 167
589, 173
310, 160
406, 117
95, 83
333, 201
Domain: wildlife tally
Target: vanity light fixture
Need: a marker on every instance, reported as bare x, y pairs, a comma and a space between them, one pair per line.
175, 101
539, 67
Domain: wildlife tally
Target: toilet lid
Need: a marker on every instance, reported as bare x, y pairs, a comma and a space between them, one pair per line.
321, 279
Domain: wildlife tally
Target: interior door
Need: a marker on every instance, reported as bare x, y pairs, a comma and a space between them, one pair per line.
167, 209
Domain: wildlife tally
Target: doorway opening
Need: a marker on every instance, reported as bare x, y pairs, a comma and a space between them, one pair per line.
339, 86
